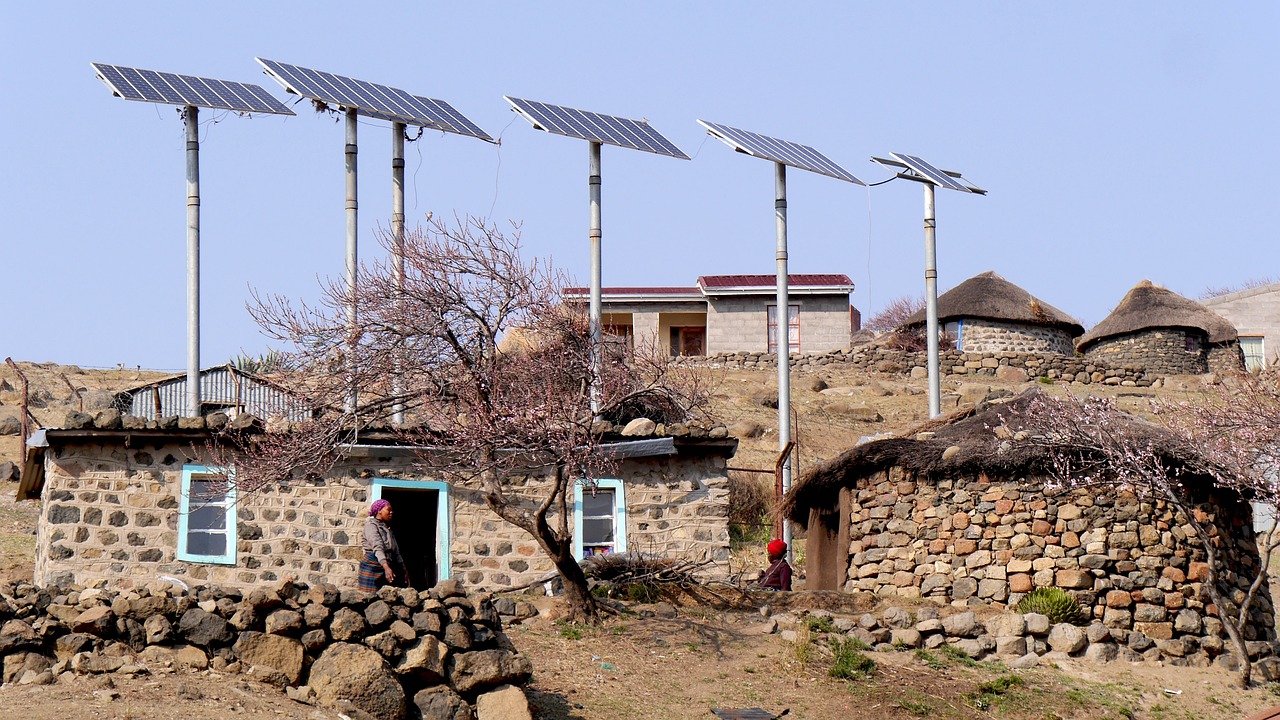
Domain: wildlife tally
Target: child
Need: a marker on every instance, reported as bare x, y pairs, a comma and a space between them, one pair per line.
778, 575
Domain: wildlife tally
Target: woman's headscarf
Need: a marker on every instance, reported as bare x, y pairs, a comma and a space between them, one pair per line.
377, 506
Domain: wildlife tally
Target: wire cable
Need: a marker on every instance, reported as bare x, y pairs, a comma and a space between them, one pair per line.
497, 171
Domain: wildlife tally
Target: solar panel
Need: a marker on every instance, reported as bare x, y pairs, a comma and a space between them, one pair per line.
634, 134
373, 100
930, 173
780, 151
162, 87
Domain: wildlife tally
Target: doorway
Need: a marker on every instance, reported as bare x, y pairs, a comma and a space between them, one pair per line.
420, 522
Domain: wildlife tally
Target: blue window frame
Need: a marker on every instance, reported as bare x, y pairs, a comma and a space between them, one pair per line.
207, 516
442, 514
599, 518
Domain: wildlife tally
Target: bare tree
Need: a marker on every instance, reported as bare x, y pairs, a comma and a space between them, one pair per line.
493, 371
1217, 290
1216, 446
894, 314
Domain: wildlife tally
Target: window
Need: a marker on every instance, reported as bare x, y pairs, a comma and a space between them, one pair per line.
793, 328
207, 519
599, 519
1254, 356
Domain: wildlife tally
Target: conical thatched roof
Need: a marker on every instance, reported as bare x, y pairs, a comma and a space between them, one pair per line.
1149, 306
979, 451
991, 297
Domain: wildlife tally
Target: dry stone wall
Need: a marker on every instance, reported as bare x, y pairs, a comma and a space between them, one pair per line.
981, 336
1163, 351
871, 358
443, 651
1130, 564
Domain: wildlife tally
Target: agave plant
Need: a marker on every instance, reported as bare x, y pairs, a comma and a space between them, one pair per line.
1057, 604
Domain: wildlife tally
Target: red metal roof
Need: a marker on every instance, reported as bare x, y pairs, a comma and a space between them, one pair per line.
797, 280
635, 291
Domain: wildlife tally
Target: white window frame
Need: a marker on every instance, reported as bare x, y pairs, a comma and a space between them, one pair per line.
793, 328
191, 473
1260, 359
619, 514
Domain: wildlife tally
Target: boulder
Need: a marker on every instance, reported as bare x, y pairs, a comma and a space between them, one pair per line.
204, 629
282, 654
441, 703
478, 671
1067, 638
95, 621
424, 661
16, 635
505, 703
347, 624
962, 624
284, 622
357, 675
639, 427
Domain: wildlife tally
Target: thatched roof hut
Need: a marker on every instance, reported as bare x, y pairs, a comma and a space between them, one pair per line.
991, 297
982, 448
1149, 306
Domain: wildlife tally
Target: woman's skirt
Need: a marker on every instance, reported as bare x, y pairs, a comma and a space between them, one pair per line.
371, 577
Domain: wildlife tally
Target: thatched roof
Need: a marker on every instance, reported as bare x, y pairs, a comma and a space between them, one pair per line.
980, 451
991, 297
1149, 306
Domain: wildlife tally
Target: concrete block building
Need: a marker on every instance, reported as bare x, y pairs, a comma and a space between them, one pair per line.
731, 313
1256, 314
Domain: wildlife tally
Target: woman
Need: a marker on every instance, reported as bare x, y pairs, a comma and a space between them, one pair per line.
778, 575
381, 551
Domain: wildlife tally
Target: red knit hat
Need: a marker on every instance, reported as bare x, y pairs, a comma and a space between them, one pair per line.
776, 547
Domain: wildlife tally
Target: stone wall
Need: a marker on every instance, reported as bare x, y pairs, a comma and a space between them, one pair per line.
971, 541
112, 512
981, 336
1162, 351
442, 651
1225, 357
873, 358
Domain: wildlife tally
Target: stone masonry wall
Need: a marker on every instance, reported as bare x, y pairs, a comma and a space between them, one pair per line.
970, 541
112, 512
983, 336
870, 358
1164, 351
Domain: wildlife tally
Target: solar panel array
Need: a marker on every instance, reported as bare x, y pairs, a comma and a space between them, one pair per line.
780, 151
585, 125
372, 99
930, 173
170, 88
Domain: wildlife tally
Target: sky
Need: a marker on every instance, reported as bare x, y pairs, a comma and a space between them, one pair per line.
1118, 142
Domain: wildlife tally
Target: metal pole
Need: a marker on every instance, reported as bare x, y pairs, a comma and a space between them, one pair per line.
352, 217
397, 234
931, 302
191, 117
783, 340
593, 181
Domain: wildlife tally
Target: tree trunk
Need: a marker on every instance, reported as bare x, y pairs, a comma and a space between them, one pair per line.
579, 603
1229, 624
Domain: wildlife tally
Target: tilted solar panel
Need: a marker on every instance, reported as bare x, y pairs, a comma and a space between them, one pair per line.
930, 173
372, 99
777, 150
596, 127
173, 89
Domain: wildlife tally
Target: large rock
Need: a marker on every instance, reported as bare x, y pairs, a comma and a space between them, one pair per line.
1067, 638
424, 660
95, 621
16, 635
277, 652
639, 427
962, 624
441, 703
347, 624
204, 629
354, 674
506, 703
478, 671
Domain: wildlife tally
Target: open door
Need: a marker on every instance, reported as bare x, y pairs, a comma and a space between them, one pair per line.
418, 509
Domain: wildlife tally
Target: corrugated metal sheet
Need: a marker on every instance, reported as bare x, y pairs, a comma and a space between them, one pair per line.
220, 389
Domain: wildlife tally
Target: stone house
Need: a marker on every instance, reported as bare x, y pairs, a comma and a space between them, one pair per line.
987, 313
1255, 312
961, 515
1163, 333
132, 500
730, 313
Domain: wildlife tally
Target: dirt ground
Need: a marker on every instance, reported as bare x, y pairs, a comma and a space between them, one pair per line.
672, 668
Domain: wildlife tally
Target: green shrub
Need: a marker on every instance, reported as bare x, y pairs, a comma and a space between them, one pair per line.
1057, 604
850, 663
820, 623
